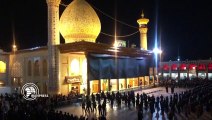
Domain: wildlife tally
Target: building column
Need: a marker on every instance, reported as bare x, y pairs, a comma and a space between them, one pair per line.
207, 72
162, 74
99, 86
148, 80
53, 59
138, 82
88, 77
88, 87
109, 88
153, 69
154, 81
144, 80
178, 72
188, 73
126, 83
7, 81
117, 84
197, 71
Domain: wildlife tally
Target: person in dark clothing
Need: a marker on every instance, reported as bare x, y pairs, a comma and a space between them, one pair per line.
179, 107
167, 89
170, 115
83, 107
140, 115
112, 102
94, 106
121, 86
172, 89
88, 106
104, 108
100, 109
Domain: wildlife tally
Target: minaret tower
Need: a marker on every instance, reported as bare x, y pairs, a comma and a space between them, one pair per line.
143, 31
53, 22
53, 40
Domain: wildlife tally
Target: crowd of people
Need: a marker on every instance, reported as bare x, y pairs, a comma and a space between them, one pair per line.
198, 99
15, 107
60, 100
182, 83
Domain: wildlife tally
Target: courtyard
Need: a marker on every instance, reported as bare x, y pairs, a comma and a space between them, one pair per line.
124, 113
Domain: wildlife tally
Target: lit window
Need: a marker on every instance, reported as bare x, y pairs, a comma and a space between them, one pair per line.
74, 67
2, 67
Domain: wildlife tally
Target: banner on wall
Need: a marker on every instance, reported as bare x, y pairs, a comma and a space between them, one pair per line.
73, 79
103, 66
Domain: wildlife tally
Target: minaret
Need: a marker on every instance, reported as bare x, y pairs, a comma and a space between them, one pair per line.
53, 40
143, 31
53, 22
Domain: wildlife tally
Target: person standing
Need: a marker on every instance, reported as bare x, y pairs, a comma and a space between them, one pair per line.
100, 109
167, 89
170, 115
94, 106
104, 108
88, 106
83, 107
112, 102
172, 89
140, 115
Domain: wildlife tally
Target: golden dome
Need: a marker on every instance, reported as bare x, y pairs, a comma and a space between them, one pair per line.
79, 22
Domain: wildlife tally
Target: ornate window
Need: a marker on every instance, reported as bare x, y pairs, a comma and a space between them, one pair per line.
44, 68
36, 68
16, 70
29, 68
2, 67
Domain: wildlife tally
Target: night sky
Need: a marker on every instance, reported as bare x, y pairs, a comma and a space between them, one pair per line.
184, 27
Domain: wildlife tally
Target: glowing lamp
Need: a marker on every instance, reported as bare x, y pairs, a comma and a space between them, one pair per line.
157, 51
115, 44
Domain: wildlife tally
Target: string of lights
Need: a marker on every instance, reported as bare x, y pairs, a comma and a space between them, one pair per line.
110, 35
114, 18
121, 36
107, 16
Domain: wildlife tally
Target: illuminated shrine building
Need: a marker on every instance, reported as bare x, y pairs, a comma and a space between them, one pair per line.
179, 70
80, 65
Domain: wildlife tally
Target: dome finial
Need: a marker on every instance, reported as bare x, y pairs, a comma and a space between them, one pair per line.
142, 14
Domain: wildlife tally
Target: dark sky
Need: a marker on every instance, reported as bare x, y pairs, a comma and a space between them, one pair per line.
184, 27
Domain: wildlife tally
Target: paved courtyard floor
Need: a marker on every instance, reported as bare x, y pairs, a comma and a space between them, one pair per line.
124, 113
